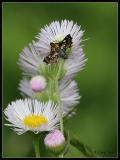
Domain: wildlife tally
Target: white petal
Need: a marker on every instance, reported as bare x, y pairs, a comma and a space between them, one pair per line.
16, 112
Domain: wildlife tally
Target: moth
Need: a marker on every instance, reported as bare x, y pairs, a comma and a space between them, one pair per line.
58, 50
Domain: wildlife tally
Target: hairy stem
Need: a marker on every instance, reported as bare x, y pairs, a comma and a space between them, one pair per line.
59, 99
58, 94
59, 105
36, 145
61, 155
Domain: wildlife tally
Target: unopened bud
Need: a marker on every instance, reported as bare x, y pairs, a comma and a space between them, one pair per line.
55, 141
38, 83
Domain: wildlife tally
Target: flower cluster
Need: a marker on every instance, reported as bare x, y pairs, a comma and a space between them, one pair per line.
49, 66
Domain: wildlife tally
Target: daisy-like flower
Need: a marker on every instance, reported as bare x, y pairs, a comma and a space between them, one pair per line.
69, 94
31, 59
32, 115
56, 32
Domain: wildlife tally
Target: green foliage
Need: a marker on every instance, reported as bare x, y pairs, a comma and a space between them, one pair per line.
87, 151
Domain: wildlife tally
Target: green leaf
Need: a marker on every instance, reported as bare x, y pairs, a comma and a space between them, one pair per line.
84, 148
66, 116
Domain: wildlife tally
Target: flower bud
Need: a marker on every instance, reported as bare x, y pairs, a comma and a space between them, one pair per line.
55, 141
38, 83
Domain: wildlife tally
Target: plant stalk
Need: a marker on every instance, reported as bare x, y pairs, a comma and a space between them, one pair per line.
36, 145
58, 95
59, 105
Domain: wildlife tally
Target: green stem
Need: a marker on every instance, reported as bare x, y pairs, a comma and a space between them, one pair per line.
59, 105
36, 145
60, 69
61, 155
58, 94
58, 98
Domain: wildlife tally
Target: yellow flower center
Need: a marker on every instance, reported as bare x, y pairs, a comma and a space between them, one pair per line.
34, 120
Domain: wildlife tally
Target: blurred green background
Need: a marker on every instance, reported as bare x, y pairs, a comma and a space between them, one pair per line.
96, 119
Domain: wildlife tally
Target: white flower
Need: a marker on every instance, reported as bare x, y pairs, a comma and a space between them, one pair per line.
24, 87
31, 59
69, 93
56, 32
32, 115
